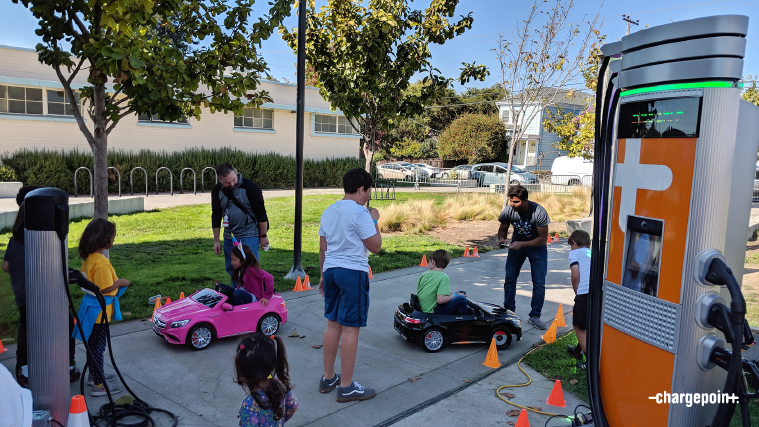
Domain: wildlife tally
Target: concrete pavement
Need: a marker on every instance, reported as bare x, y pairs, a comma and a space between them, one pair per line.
198, 385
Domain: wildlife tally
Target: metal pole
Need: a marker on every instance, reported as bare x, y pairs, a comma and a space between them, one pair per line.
297, 270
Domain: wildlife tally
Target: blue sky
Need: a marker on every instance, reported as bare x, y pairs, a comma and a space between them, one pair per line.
17, 27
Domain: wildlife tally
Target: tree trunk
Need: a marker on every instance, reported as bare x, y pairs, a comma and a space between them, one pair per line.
512, 144
100, 154
369, 154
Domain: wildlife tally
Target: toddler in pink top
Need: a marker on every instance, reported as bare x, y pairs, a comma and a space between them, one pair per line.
256, 284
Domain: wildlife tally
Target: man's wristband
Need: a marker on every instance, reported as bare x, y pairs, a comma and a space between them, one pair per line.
375, 221
263, 236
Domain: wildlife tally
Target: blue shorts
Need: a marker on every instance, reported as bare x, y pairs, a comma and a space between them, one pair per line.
346, 296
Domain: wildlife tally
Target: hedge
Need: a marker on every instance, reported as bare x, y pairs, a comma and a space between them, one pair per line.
269, 170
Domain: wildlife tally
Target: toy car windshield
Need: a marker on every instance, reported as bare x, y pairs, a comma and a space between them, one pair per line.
207, 297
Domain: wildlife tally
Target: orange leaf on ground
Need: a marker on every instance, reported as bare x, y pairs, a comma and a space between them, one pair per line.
513, 412
415, 379
507, 395
318, 346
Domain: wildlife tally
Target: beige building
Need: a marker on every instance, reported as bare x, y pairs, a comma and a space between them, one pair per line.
33, 114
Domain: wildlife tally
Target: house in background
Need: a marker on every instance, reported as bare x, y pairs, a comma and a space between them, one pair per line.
35, 114
535, 150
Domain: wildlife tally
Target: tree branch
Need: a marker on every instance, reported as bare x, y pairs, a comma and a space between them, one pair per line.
115, 122
80, 24
72, 100
78, 67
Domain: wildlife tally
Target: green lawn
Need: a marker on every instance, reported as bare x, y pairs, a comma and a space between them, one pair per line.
553, 359
171, 251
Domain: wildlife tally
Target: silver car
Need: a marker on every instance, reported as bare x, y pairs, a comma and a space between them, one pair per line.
400, 170
459, 172
495, 173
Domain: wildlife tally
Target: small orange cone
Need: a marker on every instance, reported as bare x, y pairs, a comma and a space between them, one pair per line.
181, 295
556, 237
2, 349
550, 335
168, 300
522, 421
475, 254
466, 252
491, 360
371, 276
298, 285
78, 413
549, 240
307, 283
424, 261
157, 305
560, 317
556, 398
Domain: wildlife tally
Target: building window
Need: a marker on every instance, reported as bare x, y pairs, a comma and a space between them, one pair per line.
154, 118
333, 124
255, 118
20, 100
59, 104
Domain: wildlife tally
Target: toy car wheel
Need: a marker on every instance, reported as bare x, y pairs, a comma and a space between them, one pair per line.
514, 182
268, 325
200, 337
502, 338
433, 340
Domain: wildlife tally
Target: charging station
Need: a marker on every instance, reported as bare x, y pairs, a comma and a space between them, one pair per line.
675, 154
46, 219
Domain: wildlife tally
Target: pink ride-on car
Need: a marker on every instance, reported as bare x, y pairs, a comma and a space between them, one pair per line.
206, 315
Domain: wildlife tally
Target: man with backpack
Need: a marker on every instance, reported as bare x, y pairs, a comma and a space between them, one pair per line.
237, 206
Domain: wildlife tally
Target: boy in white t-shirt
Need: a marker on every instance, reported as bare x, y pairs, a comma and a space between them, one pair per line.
348, 232
579, 265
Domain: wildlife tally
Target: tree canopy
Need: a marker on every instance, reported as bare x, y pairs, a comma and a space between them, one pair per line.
472, 137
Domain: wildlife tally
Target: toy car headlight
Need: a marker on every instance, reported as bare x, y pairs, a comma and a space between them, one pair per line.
179, 323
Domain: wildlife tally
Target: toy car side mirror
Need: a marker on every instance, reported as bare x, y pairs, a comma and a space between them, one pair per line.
227, 307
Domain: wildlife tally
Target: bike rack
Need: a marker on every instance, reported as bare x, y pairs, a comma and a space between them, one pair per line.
202, 187
194, 181
119, 174
131, 182
171, 180
76, 172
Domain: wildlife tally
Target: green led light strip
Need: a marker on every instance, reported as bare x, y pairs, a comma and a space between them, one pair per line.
697, 85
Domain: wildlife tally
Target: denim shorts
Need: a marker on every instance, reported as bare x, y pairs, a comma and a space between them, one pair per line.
346, 296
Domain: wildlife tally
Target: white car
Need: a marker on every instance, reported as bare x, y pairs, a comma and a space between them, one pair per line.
571, 171
433, 171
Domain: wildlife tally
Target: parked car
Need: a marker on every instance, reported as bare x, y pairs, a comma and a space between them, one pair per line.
482, 323
433, 171
400, 170
495, 173
571, 171
459, 172
208, 314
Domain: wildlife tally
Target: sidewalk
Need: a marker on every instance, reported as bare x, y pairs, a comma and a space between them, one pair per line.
198, 385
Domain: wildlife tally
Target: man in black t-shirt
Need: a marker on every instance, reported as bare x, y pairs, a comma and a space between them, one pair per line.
530, 222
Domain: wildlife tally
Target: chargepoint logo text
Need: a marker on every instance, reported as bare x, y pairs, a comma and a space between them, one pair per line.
690, 399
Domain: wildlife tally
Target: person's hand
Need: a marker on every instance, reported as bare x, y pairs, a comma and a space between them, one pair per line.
264, 242
217, 247
374, 213
321, 285
264, 302
502, 242
515, 246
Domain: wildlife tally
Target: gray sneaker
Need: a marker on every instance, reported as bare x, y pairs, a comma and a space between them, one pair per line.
354, 392
538, 323
108, 377
325, 386
99, 390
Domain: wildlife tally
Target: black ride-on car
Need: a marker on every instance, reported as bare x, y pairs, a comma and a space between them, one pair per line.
480, 325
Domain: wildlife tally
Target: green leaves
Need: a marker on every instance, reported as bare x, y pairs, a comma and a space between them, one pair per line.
474, 137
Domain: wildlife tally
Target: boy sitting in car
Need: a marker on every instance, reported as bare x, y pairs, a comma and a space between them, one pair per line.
434, 288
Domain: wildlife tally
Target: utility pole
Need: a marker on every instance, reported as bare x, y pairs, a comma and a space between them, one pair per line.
297, 270
629, 21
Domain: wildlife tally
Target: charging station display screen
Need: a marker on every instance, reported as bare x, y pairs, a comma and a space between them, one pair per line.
660, 118
643, 259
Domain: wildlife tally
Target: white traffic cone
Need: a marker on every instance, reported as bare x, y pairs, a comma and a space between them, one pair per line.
78, 413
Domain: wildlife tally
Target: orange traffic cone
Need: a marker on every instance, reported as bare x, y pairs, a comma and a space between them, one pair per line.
371, 276
475, 254
466, 252
181, 295
491, 360
307, 283
549, 240
298, 285
556, 398
168, 300
2, 349
556, 237
78, 413
550, 335
522, 421
560, 317
424, 261
157, 305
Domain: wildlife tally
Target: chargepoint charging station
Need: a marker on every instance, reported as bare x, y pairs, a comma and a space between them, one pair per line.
675, 154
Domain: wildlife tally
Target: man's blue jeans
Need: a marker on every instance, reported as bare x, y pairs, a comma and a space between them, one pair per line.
538, 256
228, 246
457, 305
